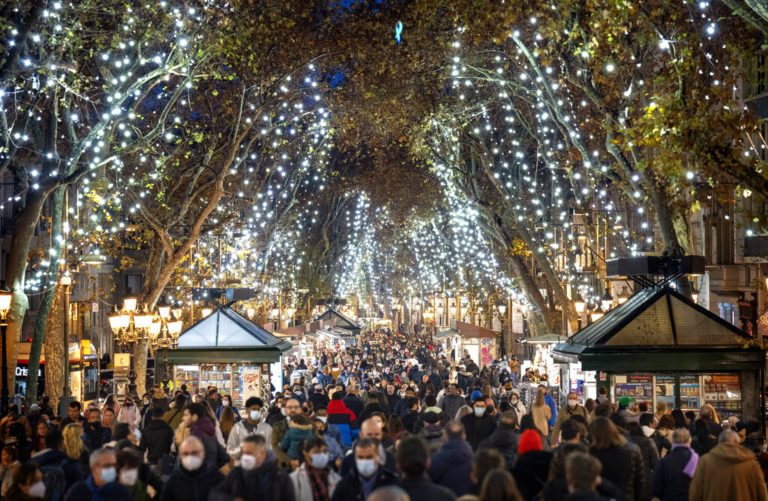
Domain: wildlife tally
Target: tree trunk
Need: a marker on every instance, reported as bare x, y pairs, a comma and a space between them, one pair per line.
50, 287
23, 231
55, 348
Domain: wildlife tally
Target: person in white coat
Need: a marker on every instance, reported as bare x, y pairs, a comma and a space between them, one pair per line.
129, 413
316, 463
253, 424
517, 405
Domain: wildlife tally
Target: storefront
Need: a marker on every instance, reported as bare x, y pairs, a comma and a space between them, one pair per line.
478, 343
661, 347
22, 371
228, 351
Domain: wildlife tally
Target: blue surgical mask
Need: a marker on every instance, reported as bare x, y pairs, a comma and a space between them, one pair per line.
365, 467
479, 411
108, 475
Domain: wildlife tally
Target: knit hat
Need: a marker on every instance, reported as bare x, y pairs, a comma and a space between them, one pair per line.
431, 417
475, 395
530, 440
625, 401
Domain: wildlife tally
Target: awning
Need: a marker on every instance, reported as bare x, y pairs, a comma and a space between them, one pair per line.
225, 336
660, 329
544, 339
446, 333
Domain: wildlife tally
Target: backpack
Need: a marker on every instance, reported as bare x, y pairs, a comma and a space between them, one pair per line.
55, 480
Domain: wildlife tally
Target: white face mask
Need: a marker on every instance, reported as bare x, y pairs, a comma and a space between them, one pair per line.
365, 467
248, 462
191, 463
128, 477
572, 403
320, 460
324, 419
254, 415
37, 490
108, 475
225, 403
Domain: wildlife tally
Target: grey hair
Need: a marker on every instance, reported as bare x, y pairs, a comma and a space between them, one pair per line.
681, 436
93, 459
728, 436
193, 439
389, 493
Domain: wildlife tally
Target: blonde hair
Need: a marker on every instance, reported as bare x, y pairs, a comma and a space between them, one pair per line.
182, 432
540, 401
661, 408
73, 443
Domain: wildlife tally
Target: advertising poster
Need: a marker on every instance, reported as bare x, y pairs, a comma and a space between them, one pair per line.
251, 383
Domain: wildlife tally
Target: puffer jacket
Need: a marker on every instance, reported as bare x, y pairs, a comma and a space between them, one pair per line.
451, 466
293, 437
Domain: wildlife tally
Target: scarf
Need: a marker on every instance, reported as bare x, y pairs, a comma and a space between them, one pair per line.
690, 468
319, 483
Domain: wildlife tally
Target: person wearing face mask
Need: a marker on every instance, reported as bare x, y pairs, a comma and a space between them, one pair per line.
157, 437
129, 413
257, 478
366, 476
330, 429
251, 425
95, 435
334, 448
193, 478
27, 484
565, 413
373, 429
101, 484
54, 457
128, 463
516, 405
315, 480
226, 402
479, 425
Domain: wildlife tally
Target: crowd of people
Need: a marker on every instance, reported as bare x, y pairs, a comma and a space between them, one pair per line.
390, 419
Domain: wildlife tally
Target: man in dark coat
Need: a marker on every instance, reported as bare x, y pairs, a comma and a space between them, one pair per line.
54, 454
451, 465
673, 473
452, 401
94, 434
102, 482
367, 475
352, 401
412, 459
258, 476
194, 478
157, 437
479, 425
504, 439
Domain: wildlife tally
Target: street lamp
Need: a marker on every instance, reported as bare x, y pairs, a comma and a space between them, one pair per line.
606, 300
131, 327
597, 314
624, 296
164, 334
6, 298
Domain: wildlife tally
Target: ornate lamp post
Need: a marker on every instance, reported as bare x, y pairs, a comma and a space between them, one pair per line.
579, 304
164, 334
130, 327
5, 305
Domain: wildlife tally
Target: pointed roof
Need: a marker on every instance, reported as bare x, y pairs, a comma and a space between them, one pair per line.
338, 319
655, 320
226, 331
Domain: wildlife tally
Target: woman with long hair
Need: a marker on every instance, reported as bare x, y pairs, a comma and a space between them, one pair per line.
227, 421
541, 413
499, 485
38, 438
663, 434
621, 465
27, 483
74, 447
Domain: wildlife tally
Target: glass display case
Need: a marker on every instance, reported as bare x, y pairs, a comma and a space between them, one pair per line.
690, 393
639, 388
723, 392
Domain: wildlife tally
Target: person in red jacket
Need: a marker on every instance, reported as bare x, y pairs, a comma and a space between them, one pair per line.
337, 406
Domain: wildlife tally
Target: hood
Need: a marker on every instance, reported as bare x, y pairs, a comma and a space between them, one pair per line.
202, 428
458, 451
431, 431
336, 406
732, 453
301, 426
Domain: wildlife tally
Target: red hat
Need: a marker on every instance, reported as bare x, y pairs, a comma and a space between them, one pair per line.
530, 440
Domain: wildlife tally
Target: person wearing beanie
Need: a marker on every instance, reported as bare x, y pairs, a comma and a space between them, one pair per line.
531, 470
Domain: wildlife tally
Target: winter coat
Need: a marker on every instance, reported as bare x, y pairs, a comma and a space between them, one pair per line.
451, 404
267, 483
531, 472
205, 430
541, 416
334, 447
564, 415
295, 435
173, 417
95, 436
421, 488
351, 488
624, 467
319, 400
156, 439
557, 490
504, 440
478, 429
279, 429
129, 414
650, 458
338, 407
302, 487
185, 485
241, 430
728, 471
86, 490
353, 403
451, 466
73, 473
669, 481
552, 407
432, 434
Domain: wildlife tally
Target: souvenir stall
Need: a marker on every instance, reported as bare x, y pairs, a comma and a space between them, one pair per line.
461, 338
659, 346
544, 363
228, 351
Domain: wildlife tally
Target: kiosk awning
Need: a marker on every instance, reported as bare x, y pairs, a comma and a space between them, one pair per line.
660, 329
225, 336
